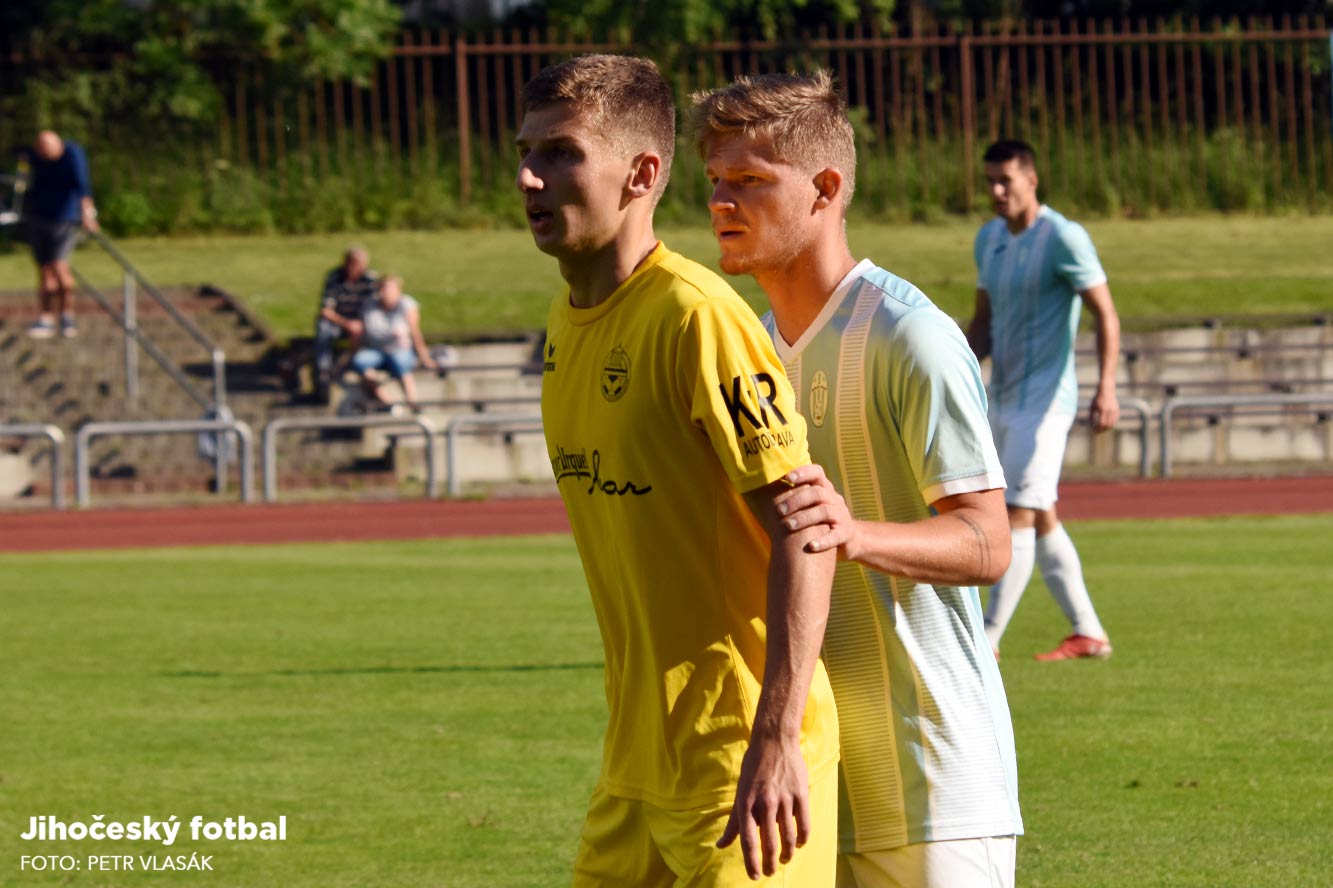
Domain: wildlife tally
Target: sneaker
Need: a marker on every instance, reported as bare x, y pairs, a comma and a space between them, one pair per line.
67, 327
1078, 647
42, 329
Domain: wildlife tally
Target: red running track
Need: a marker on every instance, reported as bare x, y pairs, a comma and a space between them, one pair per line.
421, 519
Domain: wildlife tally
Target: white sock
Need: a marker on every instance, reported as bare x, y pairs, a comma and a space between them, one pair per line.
1063, 573
1005, 594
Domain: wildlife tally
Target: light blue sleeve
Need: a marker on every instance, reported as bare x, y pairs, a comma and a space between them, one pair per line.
938, 400
1076, 260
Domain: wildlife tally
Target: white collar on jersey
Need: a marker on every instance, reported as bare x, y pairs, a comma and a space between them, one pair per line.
789, 352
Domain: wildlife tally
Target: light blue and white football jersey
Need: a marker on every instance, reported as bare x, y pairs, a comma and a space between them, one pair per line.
1033, 280
896, 415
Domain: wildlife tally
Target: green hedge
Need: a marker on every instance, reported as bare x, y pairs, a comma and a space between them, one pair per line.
167, 190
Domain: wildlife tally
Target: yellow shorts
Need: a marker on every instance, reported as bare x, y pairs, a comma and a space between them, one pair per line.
626, 842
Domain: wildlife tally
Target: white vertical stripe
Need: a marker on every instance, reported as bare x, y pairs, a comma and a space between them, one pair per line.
1031, 306
862, 487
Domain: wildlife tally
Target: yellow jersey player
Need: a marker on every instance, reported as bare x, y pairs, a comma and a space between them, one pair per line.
670, 425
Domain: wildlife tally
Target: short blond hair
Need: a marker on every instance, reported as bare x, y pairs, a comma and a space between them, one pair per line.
803, 115
624, 99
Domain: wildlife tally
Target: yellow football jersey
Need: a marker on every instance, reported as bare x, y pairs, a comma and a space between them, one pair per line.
661, 406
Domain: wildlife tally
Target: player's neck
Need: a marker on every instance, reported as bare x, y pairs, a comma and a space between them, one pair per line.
594, 276
1025, 220
798, 291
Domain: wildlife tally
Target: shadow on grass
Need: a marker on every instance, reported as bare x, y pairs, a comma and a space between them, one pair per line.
393, 670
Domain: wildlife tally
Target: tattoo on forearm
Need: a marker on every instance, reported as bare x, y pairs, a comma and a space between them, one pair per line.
983, 548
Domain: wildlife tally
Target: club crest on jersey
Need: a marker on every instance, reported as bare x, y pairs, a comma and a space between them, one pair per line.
615, 374
819, 398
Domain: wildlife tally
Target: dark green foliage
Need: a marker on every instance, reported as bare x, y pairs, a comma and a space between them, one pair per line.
667, 28
158, 63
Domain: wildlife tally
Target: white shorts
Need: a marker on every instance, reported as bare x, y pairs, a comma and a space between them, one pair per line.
1032, 452
962, 863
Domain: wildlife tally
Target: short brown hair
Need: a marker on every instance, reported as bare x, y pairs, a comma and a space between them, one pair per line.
803, 115
624, 98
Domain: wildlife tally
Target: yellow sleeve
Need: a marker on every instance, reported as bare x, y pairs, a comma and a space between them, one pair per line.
739, 395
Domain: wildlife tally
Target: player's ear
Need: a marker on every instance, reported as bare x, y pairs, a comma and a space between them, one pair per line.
645, 170
828, 188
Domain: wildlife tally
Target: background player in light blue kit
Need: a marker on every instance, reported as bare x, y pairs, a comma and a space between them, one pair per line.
1034, 266
896, 417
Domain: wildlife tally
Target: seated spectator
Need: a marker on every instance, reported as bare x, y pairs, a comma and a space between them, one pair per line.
347, 290
391, 341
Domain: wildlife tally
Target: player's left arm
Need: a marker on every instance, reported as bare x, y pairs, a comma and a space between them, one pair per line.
966, 543
1105, 410
772, 795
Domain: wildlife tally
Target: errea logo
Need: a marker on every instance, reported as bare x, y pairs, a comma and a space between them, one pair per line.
549, 365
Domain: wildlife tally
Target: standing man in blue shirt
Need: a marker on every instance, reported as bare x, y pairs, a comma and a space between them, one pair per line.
59, 201
1036, 270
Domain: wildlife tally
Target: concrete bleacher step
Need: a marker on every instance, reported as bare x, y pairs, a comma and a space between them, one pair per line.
69, 382
1217, 360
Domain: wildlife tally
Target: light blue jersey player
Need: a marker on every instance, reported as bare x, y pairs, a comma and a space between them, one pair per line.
896, 412
896, 419
1035, 271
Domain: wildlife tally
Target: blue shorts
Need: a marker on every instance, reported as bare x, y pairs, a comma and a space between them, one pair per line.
52, 241
399, 362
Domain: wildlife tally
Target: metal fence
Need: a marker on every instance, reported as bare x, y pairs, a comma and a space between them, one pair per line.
1121, 112
1127, 105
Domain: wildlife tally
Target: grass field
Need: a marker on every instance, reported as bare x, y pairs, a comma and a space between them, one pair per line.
429, 713
489, 280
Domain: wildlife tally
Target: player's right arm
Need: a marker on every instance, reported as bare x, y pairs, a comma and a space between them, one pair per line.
772, 793
965, 543
978, 329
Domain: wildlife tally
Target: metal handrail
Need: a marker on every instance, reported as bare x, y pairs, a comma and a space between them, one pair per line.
1145, 411
216, 354
170, 367
10, 215
269, 462
88, 431
1171, 405
523, 368
458, 423
480, 403
57, 439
